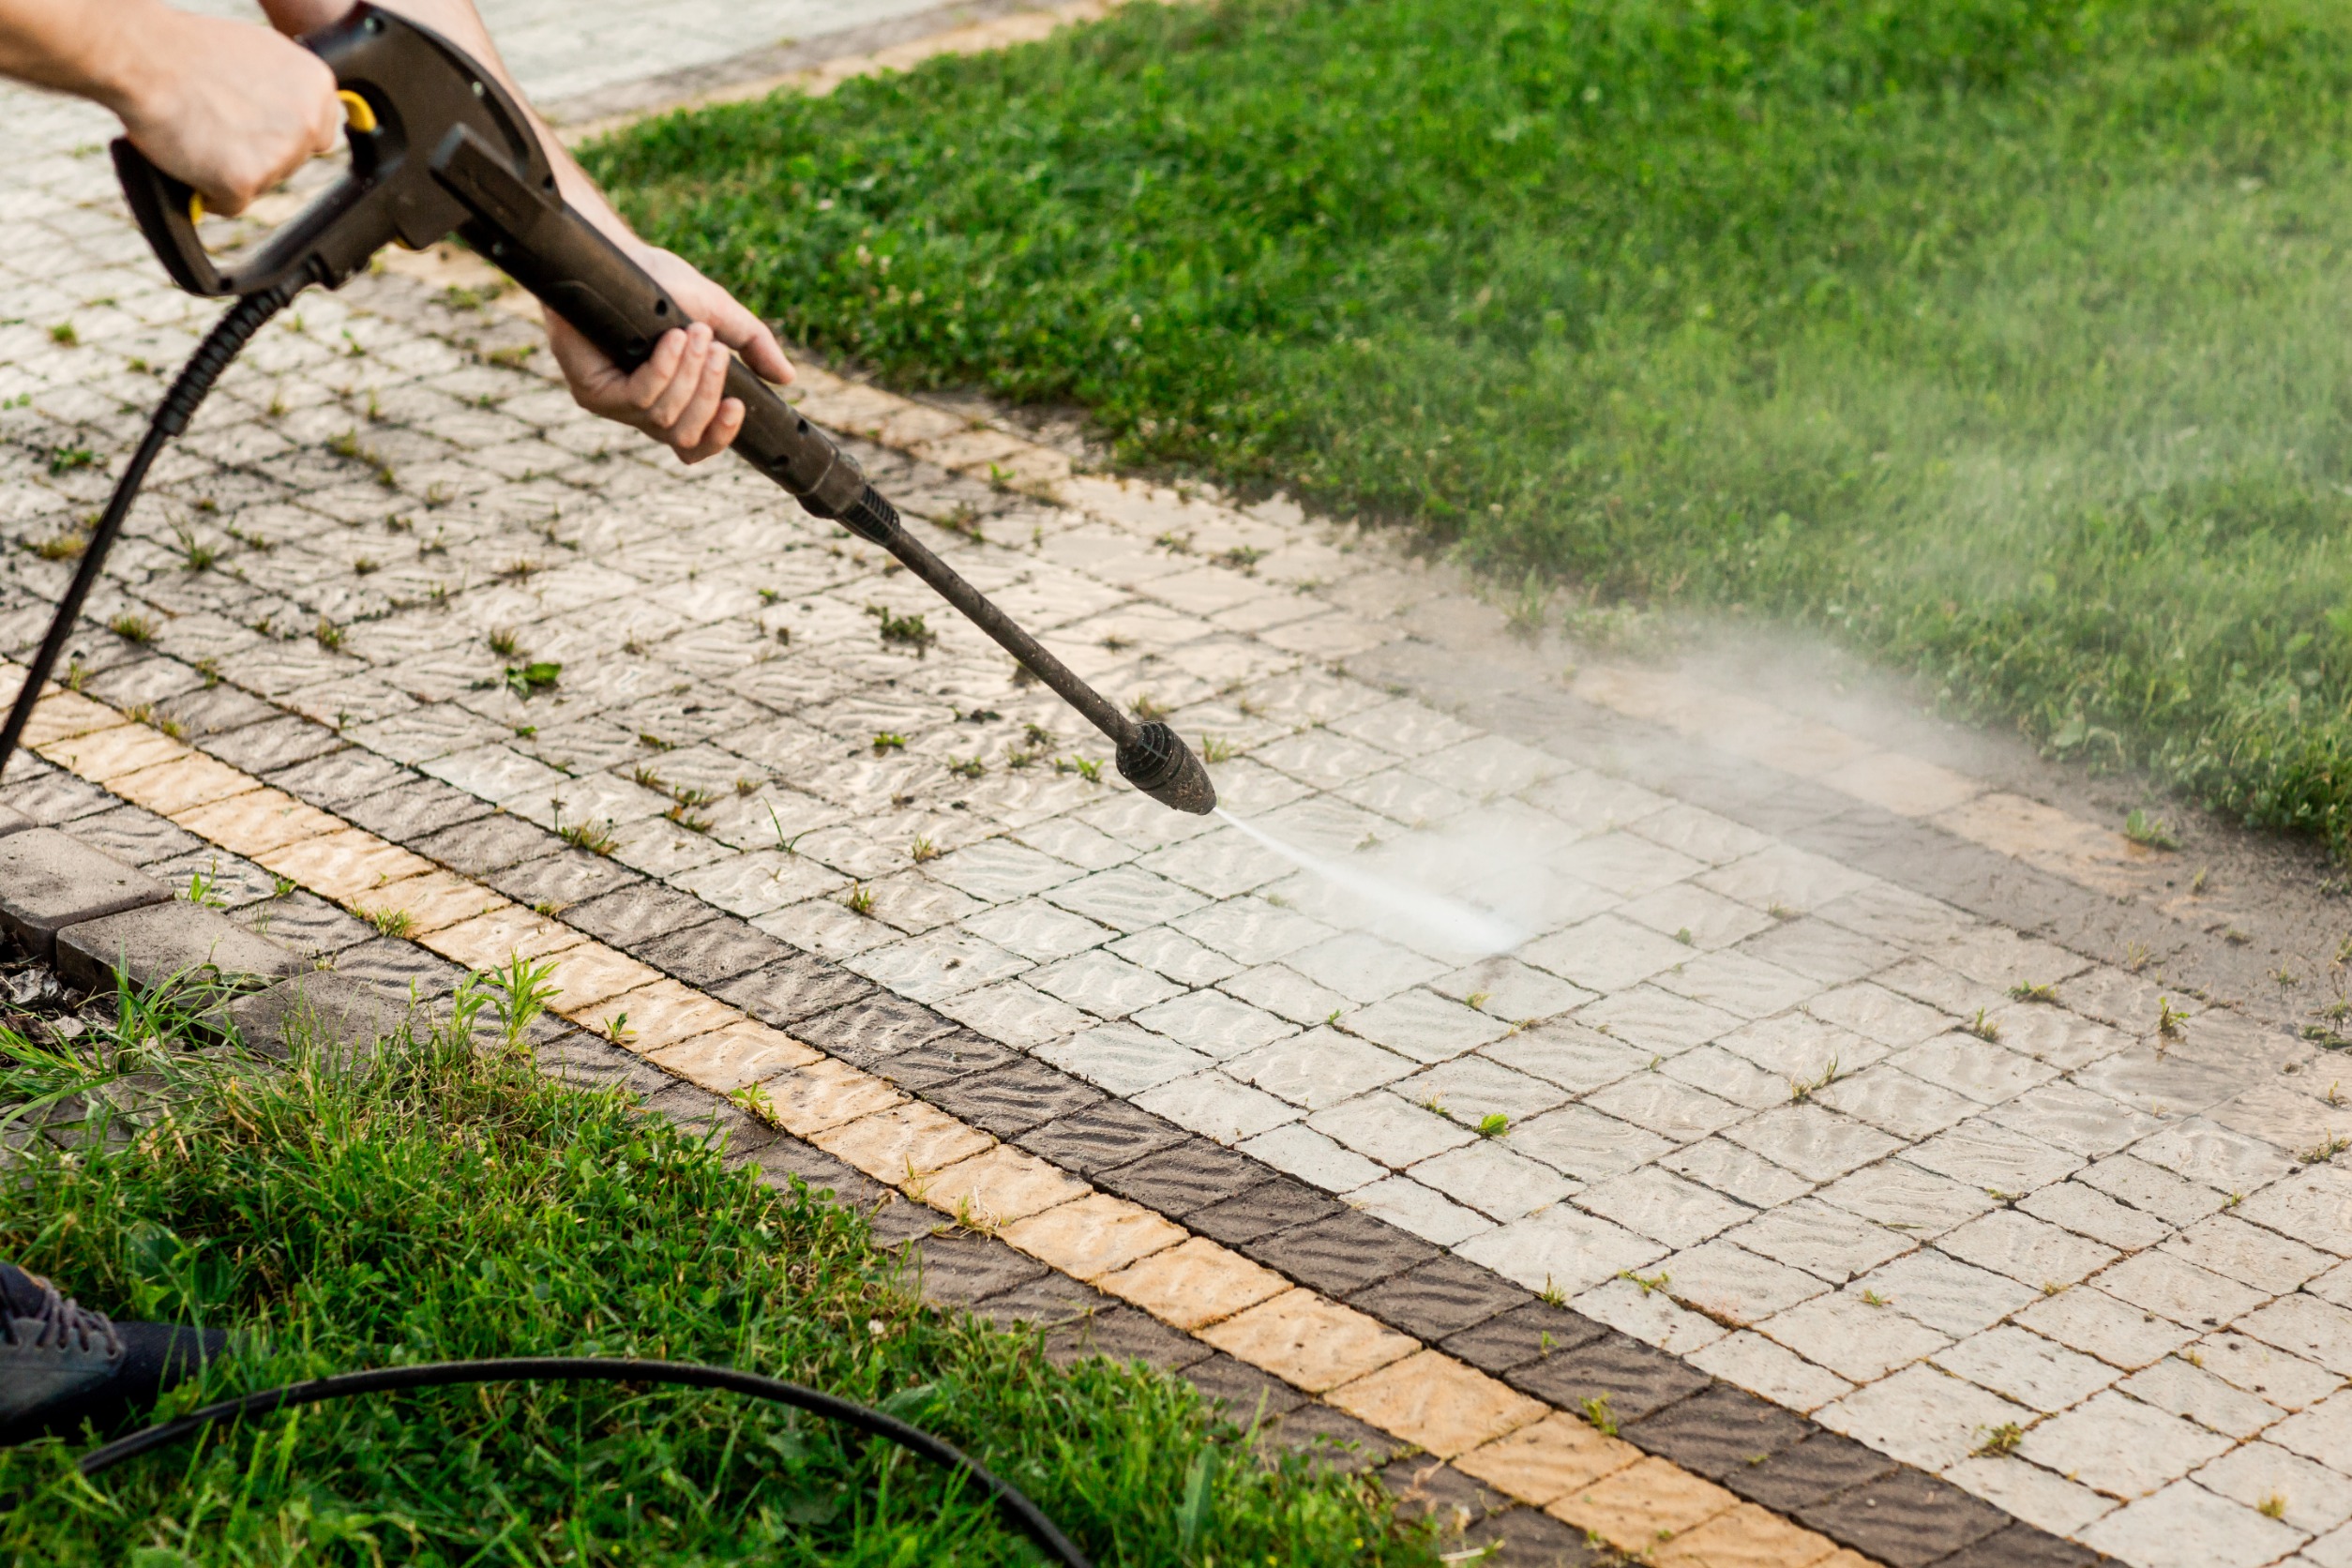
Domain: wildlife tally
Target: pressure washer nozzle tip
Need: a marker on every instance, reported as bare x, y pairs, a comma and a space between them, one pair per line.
1160, 764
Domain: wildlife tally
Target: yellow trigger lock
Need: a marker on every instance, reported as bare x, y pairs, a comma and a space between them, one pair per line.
357, 113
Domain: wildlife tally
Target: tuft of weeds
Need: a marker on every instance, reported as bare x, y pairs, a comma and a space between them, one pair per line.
906, 631
133, 629
888, 741
1088, 768
1147, 707
2027, 991
2142, 828
528, 680
61, 547
389, 923
505, 642
2168, 1017
328, 635
1216, 749
967, 767
923, 852
1999, 1442
1801, 1089
1983, 1027
195, 554
859, 901
587, 835
1493, 1125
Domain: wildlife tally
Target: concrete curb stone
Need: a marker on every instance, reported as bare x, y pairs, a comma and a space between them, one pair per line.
151, 945
49, 881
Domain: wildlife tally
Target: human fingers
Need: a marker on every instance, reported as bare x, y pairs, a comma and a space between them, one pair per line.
228, 107
718, 436
685, 385
708, 390
730, 320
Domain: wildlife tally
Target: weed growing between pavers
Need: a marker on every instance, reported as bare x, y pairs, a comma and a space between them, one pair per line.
2004, 337
444, 1204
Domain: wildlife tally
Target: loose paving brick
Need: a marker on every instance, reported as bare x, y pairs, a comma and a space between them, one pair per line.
197, 948
50, 882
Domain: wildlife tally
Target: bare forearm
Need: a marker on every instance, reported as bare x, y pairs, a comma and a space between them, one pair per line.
93, 49
461, 24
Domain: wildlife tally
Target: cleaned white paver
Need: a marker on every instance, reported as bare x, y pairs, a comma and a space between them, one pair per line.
1852, 1171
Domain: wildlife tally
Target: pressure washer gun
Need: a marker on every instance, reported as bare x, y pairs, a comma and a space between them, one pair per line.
438, 147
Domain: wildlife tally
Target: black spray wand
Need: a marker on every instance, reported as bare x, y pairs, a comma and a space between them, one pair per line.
437, 148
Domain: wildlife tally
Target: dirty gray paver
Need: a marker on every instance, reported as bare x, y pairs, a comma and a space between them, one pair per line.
1733, 1098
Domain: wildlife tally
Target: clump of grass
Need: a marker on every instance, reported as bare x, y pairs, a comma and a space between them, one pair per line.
924, 852
907, 632
390, 923
61, 547
133, 629
521, 1218
1777, 364
860, 900
2142, 828
1999, 1442
589, 836
529, 679
1216, 749
888, 741
505, 642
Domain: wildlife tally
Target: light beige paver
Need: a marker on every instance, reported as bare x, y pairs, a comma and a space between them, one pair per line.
1433, 1401
1303, 1339
1194, 1284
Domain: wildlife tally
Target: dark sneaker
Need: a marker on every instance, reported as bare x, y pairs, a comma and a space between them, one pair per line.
62, 1364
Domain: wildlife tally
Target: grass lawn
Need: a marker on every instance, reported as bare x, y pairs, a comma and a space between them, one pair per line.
2009, 340
448, 1205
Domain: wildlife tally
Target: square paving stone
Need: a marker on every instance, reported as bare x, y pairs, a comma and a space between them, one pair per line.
785, 990
1906, 1519
486, 844
786, 1157
873, 1029
1335, 1438
1244, 1391
1440, 1298
714, 952
1341, 1255
1522, 1334
952, 1057
1047, 1298
2021, 1546
402, 967
1013, 1098
1637, 1378
1101, 1137
53, 796
305, 923
1719, 1431
49, 881
334, 778
273, 744
208, 711
336, 1013
134, 837
1809, 1471
1269, 1207
563, 879
708, 1118
1529, 1538
1426, 1489
960, 1268
415, 809
173, 941
1123, 1334
1184, 1177
634, 917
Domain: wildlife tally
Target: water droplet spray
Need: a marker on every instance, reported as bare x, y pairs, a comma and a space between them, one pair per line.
1463, 928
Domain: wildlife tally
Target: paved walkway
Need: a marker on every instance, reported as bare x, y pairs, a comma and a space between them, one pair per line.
1715, 1023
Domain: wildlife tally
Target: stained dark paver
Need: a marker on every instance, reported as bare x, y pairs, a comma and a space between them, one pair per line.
1531, 1539
304, 922
1636, 1379
1442, 1297
332, 778
484, 845
1340, 1255
961, 1268
1183, 1178
1428, 1488
1719, 1431
1014, 1097
787, 1156
1908, 1519
563, 879
951, 1059
272, 744
1274, 1204
637, 914
133, 836
1812, 1471
2021, 1546
1335, 1438
1101, 1137
1244, 1391
709, 1118
873, 1029
402, 967
786, 990
710, 952
1522, 1334
1049, 1298
334, 1013
414, 808
1122, 1334
211, 710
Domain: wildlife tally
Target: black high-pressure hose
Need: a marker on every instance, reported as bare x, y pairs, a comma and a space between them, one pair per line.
223, 343
611, 1369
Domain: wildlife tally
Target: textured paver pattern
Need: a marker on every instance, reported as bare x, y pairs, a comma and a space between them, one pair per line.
2017, 1218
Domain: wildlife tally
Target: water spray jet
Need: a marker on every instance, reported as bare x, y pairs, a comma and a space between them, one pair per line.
1461, 926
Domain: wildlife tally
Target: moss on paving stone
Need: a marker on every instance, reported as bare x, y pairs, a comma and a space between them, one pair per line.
2003, 337
448, 1205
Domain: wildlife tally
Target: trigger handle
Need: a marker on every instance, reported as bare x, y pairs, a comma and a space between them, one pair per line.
166, 210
